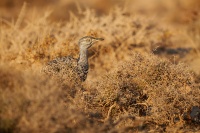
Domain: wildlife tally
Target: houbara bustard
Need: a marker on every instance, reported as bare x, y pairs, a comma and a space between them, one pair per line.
79, 66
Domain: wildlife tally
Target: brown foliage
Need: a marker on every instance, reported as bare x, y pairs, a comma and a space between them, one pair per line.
124, 91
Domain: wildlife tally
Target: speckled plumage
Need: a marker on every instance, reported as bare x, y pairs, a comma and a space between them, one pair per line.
68, 65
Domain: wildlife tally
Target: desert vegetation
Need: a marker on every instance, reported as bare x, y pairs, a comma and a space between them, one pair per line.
144, 76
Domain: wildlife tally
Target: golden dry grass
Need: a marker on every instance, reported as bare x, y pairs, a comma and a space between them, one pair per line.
144, 77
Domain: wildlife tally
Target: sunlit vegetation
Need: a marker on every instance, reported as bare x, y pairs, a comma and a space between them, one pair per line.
144, 77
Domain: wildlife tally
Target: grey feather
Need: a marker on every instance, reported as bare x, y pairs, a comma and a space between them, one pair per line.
66, 64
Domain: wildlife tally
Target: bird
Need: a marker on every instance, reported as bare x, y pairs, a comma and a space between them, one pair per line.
67, 64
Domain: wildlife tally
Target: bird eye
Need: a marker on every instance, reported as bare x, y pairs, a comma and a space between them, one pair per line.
89, 40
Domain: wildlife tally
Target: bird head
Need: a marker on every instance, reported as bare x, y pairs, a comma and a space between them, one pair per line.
88, 41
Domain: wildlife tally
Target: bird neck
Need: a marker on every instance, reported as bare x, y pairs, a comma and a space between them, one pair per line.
83, 56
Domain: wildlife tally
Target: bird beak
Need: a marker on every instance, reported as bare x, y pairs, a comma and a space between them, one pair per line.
97, 39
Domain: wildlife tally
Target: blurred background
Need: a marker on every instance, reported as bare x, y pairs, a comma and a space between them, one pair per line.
176, 17
174, 25
179, 11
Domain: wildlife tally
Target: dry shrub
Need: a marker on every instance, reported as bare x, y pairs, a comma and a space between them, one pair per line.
37, 40
34, 103
138, 94
148, 87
